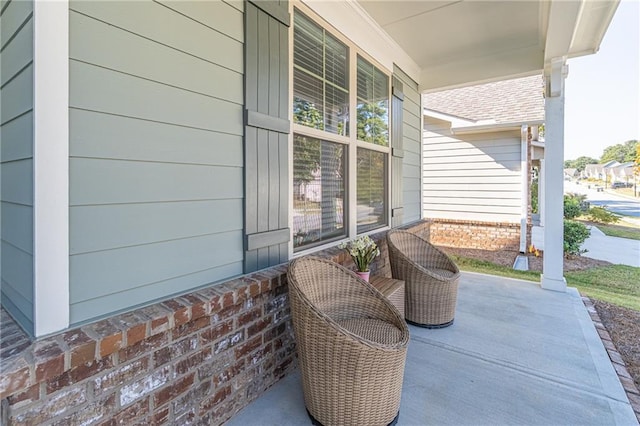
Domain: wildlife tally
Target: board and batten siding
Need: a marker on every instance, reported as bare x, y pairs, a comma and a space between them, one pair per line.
471, 177
156, 150
16, 159
411, 147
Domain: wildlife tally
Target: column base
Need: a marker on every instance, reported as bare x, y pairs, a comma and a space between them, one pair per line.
553, 284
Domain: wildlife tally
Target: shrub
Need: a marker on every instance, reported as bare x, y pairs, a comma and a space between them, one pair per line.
575, 233
571, 207
602, 215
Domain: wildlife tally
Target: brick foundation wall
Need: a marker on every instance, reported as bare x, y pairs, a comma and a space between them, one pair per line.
475, 235
198, 358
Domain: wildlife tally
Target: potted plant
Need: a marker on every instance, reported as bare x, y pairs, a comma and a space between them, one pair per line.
362, 250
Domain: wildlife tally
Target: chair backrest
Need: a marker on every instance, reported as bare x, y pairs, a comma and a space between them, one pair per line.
329, 287
418, 250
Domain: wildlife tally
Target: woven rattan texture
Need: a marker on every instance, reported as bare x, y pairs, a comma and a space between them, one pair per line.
431, 278
352, 344
392, 289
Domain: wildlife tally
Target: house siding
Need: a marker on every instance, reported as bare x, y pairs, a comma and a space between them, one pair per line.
156, 151
16, 159
472, 177
411, 145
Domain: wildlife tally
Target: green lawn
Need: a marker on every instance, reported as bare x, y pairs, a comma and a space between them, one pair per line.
619, 231
617, 284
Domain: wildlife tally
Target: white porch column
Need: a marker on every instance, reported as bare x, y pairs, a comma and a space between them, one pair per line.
541, 210
524, 182
50, 166
552, 268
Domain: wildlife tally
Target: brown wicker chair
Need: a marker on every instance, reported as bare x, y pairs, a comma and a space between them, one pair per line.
352, 345
431, 279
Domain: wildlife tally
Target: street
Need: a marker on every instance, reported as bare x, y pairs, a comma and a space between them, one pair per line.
615, 203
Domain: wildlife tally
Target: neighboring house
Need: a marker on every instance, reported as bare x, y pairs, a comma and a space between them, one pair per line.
570, 173
600, 171
478, 153
621, 172
151, 149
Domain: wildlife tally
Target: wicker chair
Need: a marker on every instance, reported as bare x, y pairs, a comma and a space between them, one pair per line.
431, 279
352, 345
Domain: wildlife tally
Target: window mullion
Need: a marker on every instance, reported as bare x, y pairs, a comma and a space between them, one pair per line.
352, 175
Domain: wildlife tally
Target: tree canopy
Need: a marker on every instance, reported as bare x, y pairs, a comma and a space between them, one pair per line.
622, 152
579, 163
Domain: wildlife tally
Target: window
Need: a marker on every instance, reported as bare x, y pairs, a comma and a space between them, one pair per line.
320, 78
373, 104
318, 190
331, 147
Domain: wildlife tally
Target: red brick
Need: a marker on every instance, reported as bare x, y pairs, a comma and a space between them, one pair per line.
145, 346
120, 375
31, 394
175, 350
78, 374
110, 344
248, 347
216, 399
199, 307
229, 342
228, 373
259, 326
192, 361
159, 317
181, 312
82, 348
136, 334
149, 382
65, 400
160, 416
190, 327
218, 330
621, 370
176, 388
49, 361
129, 414
247, 317
15, 377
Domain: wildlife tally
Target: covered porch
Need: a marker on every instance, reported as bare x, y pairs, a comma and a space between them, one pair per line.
516, 354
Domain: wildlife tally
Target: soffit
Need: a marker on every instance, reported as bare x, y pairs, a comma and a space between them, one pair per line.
457, 43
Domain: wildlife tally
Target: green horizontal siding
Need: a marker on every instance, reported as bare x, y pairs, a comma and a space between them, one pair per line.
156, 167
16, 160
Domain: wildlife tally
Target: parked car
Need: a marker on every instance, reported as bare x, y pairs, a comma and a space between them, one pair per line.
616, 185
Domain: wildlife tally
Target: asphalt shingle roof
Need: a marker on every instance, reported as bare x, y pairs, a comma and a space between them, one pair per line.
507, 101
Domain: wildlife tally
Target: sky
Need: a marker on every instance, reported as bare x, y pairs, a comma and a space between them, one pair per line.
602, 91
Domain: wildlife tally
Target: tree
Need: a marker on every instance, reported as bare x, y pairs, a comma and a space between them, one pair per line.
579, 163
622, 152
372, 123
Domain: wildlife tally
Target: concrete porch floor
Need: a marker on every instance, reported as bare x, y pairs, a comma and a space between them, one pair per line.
516, 354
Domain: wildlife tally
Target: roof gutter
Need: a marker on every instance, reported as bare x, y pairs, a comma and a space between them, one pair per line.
485, 128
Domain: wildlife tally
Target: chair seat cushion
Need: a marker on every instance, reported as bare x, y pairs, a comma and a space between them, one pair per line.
374, 330
444, 273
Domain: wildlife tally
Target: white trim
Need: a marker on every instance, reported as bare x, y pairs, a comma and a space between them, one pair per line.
350, 19
492, 127
351, 141
50, 167
553, 260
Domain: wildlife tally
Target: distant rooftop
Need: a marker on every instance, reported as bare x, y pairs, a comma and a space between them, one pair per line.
507, 101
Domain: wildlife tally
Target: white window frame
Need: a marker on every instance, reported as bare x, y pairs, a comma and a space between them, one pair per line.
351, 141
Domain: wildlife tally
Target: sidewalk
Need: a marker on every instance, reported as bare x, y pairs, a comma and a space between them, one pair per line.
616, 250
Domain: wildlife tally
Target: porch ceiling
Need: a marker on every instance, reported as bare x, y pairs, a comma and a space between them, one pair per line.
456, 43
